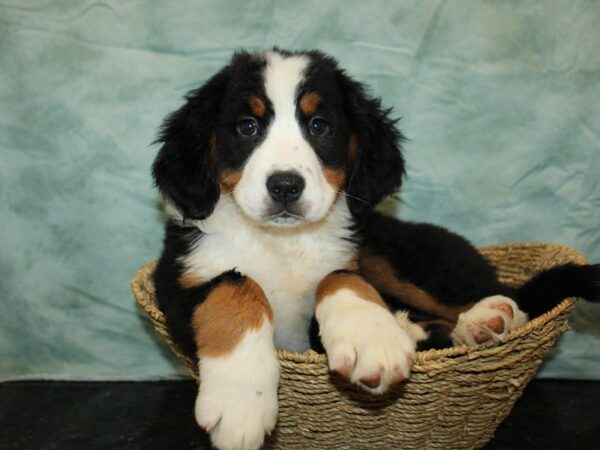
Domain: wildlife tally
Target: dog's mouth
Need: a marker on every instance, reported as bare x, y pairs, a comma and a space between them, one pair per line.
284, 216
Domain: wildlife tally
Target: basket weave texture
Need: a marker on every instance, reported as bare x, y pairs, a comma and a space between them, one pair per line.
455, 398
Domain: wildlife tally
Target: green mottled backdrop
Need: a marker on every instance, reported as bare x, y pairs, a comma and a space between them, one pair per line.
500, 100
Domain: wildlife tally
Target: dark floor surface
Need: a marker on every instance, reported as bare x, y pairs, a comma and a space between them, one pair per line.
158, 415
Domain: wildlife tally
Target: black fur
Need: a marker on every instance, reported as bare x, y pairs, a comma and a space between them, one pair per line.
175, 302
436, 260
448, 267
379, 167
549, 288
185, 170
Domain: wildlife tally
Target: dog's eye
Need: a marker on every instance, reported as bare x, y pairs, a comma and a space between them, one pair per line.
247, 127
318, 126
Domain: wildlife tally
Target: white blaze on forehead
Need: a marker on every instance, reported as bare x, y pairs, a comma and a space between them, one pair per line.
282, 77
284, 147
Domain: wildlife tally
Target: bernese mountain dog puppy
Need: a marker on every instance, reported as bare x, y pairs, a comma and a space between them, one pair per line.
270, 172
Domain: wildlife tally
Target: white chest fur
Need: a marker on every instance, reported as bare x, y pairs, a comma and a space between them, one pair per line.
288, 263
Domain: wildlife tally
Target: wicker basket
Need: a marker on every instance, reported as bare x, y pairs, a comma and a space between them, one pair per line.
455, 398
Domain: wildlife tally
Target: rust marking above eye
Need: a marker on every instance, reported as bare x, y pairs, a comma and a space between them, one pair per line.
309, 103
257, 106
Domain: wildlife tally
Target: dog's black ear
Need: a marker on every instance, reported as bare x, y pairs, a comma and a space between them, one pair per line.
184, 167
377, 165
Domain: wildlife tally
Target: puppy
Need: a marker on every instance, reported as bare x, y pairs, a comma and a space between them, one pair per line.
270, 173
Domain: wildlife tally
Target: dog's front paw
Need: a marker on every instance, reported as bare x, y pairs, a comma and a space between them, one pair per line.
491, 318
364, 342
237, 417
237, 399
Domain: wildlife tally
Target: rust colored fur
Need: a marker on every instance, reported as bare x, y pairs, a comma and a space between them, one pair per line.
231, 309
309, 103
230, 179
378, 271
345, 280
212, 147
336, 178
257, 106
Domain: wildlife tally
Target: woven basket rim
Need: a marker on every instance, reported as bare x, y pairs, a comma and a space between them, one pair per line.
466, 390
423, 357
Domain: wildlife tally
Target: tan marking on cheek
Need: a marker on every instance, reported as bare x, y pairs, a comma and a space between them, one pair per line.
309, 103
229, 311
336, 281
189, 280
352, 148
257, 106
230, 179
378, 271
335, 178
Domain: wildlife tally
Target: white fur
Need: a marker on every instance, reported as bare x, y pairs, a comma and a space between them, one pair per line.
484, 310
288, 263
284, 148
414, 331
237, 398
364, 337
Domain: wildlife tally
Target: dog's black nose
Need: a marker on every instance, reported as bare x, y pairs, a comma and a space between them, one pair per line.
285, 187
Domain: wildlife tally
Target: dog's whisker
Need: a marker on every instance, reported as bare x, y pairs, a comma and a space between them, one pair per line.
352, 196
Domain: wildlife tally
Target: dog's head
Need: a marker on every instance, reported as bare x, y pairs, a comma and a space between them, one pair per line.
284, 134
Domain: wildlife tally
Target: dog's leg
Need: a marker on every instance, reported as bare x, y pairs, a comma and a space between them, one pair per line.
491, 318
239, 371
361, 337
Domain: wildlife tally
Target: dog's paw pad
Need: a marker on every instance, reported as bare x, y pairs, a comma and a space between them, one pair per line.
491, 318
481, 332
504, 307
372, 381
